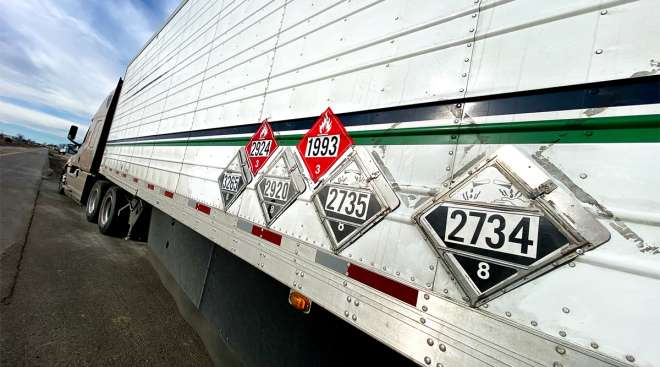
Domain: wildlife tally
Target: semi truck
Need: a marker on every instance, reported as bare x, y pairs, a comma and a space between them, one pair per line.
457, 183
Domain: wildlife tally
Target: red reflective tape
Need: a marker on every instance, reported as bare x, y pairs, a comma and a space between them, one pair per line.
169, 194
383, 284
203, 208
267, 235
150, 186
135, 179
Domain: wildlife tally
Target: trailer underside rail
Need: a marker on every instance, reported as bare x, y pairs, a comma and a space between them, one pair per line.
417, 323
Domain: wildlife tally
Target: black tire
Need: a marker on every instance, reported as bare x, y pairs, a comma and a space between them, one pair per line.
94, 200
60, 187
111, 221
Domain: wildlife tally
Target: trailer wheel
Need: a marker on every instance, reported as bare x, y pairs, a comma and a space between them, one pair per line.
94, 200
113, 213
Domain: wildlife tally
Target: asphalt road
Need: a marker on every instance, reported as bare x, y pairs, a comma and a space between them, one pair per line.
71, 296
20, 174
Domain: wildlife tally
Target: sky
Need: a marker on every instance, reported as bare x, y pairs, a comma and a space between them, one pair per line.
59, 59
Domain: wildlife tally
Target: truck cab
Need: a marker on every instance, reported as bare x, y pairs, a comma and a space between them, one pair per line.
81, 170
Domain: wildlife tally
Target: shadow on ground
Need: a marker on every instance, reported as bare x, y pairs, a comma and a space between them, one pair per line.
82, 299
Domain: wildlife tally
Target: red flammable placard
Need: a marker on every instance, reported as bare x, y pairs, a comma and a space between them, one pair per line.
323, 144
260, 147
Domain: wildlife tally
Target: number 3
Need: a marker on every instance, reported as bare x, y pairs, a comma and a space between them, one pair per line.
318, 169
483, 270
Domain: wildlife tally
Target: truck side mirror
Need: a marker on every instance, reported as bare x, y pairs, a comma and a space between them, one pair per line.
73, 130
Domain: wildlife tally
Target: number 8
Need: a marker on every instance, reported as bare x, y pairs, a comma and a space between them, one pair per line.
483, 270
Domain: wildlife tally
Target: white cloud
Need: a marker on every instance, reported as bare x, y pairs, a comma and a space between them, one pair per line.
135, 24
66, 55
34, 119
65, 65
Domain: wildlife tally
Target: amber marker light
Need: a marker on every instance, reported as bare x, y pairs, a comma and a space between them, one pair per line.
299, 301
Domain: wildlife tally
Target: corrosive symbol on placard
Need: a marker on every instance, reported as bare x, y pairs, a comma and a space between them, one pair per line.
261, 147
280, 185
323, 145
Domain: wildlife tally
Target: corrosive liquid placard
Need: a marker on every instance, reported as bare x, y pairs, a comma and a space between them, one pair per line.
323, 145
502, 224
234, 179
261, 147
353, 198
280, 185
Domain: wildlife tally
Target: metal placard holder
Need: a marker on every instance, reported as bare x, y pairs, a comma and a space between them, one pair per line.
565, 229
280, 185
353, 198
234, 179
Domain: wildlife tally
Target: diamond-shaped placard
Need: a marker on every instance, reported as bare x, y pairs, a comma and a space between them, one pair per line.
280, 185
234, 179
323, 145
261, 147
353, 199
495, 229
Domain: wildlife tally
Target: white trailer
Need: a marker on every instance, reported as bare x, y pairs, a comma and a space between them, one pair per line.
493, 200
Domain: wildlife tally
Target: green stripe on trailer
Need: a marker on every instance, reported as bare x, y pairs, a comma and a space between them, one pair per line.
619, 129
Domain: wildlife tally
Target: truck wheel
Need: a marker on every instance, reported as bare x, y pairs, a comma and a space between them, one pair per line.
94, 200
60, 185
112, 220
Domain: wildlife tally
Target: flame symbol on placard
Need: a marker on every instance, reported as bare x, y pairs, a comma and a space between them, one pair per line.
262, 134
325, 126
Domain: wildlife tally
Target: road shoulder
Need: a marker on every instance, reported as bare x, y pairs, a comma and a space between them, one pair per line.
82, 298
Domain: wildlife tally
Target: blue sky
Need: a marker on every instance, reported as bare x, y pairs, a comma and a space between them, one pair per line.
60, 58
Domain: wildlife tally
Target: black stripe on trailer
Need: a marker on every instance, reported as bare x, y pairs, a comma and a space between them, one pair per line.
616, 93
